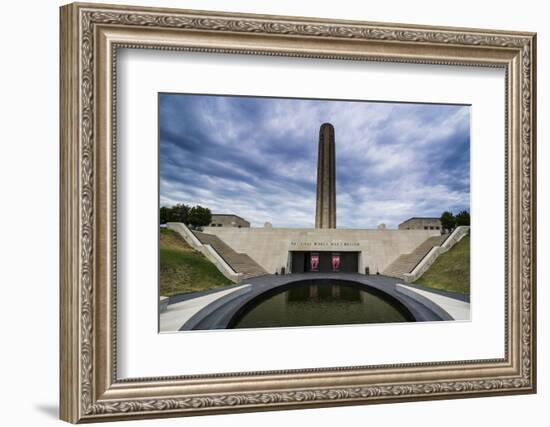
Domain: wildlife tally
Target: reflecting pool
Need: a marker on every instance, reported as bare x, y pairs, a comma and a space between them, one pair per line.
321, 302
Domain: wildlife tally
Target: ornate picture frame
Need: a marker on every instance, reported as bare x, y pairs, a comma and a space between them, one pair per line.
90, 37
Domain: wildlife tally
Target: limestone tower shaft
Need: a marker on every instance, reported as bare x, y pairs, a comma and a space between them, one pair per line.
325, 214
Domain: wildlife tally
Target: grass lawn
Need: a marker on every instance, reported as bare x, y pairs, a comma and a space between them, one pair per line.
451, 270
183, 269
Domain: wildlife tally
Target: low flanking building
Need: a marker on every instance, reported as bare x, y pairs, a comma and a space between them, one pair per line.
228, 220
420, 223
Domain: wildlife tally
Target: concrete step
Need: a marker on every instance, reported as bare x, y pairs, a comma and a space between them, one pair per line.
239, 262
407, 262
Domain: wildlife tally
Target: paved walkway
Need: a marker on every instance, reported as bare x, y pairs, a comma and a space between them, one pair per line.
181, 312
458, 310
217, 309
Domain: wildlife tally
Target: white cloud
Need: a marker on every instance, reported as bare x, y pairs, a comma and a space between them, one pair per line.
257, 158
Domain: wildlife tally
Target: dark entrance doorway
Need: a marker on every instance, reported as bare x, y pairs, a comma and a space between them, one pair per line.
324, 262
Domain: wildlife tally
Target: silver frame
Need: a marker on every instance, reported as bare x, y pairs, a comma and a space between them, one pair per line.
90, 37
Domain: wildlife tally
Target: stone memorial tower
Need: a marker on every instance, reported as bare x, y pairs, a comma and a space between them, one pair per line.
325, 214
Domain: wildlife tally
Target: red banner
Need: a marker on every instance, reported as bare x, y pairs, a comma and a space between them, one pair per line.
335, 262
314, 262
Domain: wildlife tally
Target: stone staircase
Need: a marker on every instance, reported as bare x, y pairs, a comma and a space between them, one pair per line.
241, 263
407, 262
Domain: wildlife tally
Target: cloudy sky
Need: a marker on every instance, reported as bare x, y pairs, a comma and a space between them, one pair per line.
257, 158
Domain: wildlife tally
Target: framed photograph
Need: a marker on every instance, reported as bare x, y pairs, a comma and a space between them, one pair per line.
257, 231
266, 212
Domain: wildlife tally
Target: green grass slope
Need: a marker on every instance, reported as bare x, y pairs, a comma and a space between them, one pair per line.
183, 269
451, 270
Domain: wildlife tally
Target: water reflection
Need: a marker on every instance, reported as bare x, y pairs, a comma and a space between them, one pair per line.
327, 302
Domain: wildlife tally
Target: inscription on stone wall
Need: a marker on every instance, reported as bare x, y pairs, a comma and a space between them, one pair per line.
324, 244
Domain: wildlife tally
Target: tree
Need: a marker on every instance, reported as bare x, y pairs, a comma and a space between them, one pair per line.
463, 218
199, 216
448, 221
180, 213
177, 213
165, 213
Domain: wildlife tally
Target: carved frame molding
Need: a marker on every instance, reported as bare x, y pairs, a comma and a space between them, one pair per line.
90, 36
